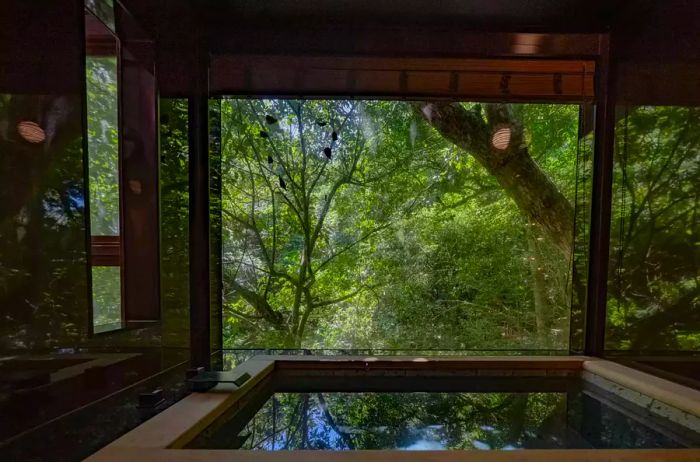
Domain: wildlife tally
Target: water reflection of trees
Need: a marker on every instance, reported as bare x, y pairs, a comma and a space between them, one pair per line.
410, 421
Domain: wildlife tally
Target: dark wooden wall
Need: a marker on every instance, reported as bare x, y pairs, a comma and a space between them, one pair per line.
656, 48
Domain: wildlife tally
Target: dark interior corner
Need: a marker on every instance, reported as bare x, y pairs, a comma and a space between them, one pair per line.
186, 185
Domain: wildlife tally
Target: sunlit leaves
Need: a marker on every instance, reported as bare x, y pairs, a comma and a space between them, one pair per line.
385, 233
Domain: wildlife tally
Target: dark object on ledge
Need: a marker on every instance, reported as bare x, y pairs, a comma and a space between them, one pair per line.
152, 399
193, 372
206, 380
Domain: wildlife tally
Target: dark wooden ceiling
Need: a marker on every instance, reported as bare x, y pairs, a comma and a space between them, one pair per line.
510, 15
490, 15
645, 31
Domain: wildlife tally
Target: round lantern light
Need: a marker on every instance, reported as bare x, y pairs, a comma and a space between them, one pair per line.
31, 132
500, 139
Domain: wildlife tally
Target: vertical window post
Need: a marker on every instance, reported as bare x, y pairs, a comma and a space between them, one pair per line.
199, 211
596, 300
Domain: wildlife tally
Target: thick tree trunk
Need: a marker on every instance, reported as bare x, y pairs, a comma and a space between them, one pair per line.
515, 170
261, 306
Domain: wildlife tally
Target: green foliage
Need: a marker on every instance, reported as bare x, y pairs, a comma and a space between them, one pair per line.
103, 144
174, 221
654, 290
103, 180
43, 278
400, 240
364, 421
106, 298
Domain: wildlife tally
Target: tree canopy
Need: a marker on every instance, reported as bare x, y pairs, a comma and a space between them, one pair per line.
386, 224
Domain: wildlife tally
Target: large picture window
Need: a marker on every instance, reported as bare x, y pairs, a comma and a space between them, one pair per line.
358, 224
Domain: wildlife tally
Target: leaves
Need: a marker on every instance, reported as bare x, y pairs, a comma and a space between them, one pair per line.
401, 231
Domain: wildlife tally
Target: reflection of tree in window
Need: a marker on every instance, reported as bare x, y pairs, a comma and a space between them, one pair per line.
106, 289
103, 181
654, 295
103, 144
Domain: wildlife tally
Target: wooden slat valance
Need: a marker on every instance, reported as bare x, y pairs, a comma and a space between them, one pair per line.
467, 79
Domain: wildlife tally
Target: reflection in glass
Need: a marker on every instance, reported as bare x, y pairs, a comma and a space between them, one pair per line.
174, 221
103, 144
103, 156
103, 9
107, 298
43, 283
654, 283
356, 224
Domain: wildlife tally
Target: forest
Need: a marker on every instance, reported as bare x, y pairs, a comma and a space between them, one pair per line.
451, 226
654, 279
396, 225
414, 225
379, 224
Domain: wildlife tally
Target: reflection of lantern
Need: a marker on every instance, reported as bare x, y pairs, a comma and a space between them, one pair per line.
501, 137
31, 132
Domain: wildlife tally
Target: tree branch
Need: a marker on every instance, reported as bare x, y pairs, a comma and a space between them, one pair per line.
521, 178
261, 306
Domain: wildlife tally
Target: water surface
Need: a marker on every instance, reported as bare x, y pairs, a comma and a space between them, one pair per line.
445, 421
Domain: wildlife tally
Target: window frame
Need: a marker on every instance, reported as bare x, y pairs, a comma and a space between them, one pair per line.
105, 250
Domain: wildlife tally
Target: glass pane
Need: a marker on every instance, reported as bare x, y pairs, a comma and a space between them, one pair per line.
215, 223
654, 290
103, 144
106, 298
383, 224
103, 9
102, 103
42, 233
174, 222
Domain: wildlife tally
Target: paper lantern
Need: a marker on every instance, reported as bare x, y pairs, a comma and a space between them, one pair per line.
500, 139
31, 132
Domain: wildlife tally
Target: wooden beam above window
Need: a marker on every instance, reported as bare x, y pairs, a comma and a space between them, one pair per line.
467, 79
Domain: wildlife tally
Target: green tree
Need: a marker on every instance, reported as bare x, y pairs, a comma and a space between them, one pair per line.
308, 194
402, 227
654, 295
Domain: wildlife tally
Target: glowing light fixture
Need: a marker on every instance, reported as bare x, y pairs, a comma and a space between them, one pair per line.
31, 132
500, 139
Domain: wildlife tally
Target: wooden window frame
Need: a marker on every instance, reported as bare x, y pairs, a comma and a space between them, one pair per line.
106, 250
136, 249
